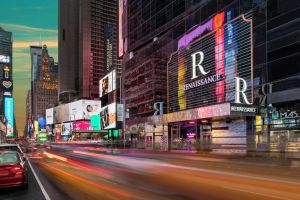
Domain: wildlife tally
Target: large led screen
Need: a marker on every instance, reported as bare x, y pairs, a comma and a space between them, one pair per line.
107, 84
9, 114
108, 116
210, 58
83, 109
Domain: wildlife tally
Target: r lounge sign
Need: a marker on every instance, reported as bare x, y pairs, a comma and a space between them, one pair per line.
212, 68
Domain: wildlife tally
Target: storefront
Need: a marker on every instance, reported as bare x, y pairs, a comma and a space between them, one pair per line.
279, 129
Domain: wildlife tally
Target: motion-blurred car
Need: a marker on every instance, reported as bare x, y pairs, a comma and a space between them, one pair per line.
30, 148
12, 147
12, 170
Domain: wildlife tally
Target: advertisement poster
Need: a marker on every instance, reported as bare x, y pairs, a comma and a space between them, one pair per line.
95, 122
9, 113
61, 113
107, 84
108, 116
90, 108
66, 128
75, 109
49, 116
82, 125
83, 109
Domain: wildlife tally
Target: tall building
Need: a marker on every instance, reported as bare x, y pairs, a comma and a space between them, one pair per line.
44, 82
6, 75
194, 56
28, 122
87, 46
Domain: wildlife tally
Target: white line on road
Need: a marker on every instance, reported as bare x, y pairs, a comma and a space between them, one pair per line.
39, 182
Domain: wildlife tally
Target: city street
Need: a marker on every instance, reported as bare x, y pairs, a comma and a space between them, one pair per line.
76, 171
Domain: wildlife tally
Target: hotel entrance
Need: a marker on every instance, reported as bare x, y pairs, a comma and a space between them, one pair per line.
190, 135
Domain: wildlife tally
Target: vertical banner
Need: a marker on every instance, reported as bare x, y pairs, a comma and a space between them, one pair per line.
108, 36
9, 113
231, 52
218, 21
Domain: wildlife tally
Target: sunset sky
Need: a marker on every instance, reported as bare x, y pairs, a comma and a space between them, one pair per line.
32, 22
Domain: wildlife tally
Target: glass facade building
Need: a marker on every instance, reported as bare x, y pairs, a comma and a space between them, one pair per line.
152, 36
87, 46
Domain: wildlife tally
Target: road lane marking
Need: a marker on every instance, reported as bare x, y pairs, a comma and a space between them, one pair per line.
39, 182
257, 193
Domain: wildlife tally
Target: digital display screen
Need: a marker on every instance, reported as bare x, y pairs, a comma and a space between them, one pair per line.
108, 116
107, 84
4, 59
9, 113
203, 70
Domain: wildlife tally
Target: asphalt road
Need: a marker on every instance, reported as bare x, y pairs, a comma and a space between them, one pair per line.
85, 172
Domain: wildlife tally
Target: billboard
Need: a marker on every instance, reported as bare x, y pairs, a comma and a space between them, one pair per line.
42, 123
95, 122
61, 113
120, 27
107, 84
4, 59
83, 109
90, 108
9, 114
108, 116
49, 116
213, 62
82, 125
66, 128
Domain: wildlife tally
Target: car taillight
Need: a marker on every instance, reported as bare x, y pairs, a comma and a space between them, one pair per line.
17, 170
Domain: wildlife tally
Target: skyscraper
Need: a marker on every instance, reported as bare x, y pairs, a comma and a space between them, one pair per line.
44, 82
87, 46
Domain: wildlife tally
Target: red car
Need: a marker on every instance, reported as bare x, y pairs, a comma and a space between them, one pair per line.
12, 170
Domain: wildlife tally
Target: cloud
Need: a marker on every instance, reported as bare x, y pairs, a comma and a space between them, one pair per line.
18, 27
26, 44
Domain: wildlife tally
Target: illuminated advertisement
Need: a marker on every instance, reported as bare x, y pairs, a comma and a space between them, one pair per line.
49, 116
95, 122
107, 84
6, 72
66, 128
83, 109
120, 32
4, 59
208, 67
61, 113
82, 125
42, 123
108, 116
9, 114
7, 85
36, 127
